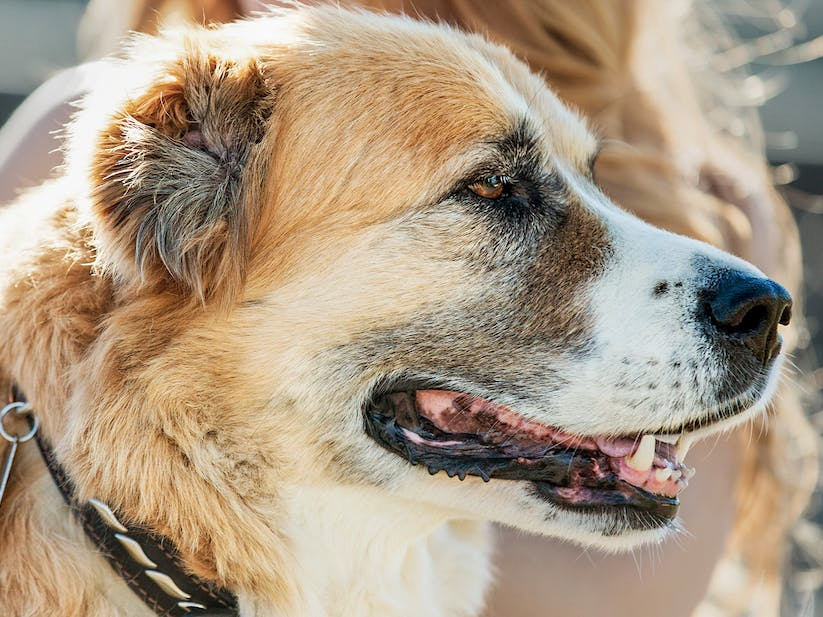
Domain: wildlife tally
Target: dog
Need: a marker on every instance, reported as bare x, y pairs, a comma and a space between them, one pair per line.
320, 294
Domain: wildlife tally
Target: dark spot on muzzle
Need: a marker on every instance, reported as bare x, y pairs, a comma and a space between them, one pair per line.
661, 288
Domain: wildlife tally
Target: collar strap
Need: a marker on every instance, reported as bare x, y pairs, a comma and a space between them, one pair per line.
148, 563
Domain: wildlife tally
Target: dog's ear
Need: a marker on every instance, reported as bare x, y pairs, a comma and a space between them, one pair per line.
170, 193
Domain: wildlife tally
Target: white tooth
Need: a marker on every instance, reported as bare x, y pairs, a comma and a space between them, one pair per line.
688, 473
643, 457
683, 445
667, 438
663, 474
676, 473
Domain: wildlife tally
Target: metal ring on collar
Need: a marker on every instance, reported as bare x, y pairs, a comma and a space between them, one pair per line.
18, 408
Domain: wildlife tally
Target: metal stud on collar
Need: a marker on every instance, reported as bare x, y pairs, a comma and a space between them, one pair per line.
165, 582
107, 515
188, 605
136, 552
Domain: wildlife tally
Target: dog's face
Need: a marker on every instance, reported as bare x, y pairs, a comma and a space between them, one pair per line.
398, 241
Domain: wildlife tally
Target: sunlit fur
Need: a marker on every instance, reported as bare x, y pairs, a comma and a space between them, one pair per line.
258, 224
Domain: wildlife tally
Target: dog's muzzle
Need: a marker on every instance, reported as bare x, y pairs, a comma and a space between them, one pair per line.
640, 474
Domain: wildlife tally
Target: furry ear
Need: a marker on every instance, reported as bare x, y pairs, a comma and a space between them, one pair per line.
169, 193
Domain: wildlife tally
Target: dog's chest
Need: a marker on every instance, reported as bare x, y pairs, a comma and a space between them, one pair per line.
356, 557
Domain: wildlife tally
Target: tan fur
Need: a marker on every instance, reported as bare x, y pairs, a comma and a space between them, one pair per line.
226, 225
177, 220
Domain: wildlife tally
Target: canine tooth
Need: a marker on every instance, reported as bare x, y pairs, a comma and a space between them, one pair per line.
672, 439
676, 473
663, 474
643, 457
683, 445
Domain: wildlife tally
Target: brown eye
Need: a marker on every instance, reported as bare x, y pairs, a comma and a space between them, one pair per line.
492, 187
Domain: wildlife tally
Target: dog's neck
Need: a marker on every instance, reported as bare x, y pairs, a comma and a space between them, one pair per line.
360, 553
351, 553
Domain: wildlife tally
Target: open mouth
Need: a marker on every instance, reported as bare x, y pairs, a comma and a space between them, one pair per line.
465, 435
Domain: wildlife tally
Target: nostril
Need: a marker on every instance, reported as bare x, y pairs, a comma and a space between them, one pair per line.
747, 308
753, 319
785, 316
741, 321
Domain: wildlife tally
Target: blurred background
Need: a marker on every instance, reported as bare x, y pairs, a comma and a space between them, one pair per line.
39, 37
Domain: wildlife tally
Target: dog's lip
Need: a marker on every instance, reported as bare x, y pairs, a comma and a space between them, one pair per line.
577, 472
623, 495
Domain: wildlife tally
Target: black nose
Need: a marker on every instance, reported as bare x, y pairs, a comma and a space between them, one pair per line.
748, 308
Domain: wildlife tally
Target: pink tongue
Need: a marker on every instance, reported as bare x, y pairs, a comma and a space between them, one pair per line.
616, 447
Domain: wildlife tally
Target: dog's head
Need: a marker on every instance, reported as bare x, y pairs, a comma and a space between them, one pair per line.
379, 243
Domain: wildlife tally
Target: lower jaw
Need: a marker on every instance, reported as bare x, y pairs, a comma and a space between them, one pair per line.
629, 507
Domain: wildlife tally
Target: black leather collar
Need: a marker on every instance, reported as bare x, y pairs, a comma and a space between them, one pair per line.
148, 563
